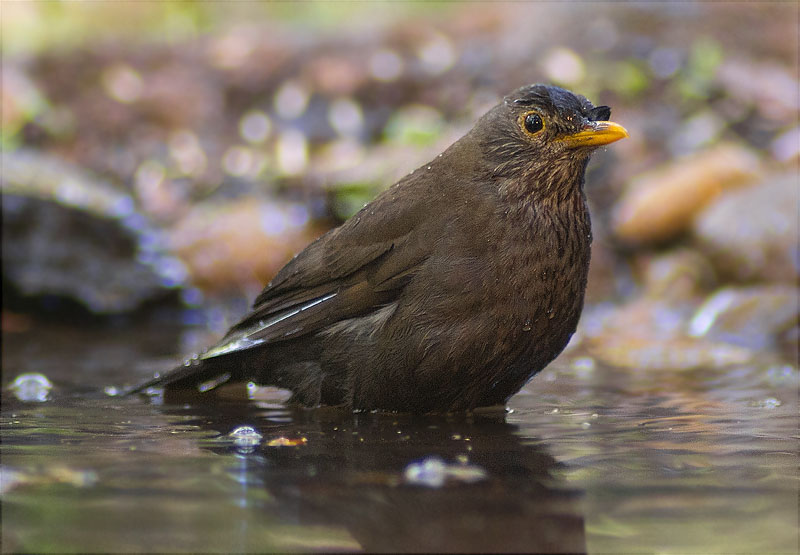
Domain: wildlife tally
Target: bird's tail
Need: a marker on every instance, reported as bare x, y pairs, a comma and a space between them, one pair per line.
196, 375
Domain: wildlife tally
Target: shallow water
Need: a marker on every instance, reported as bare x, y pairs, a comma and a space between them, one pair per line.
588, 458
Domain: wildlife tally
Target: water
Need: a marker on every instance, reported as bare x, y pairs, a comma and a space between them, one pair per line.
589, 458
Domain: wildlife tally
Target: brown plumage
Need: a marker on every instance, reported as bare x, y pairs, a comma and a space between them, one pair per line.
449, 290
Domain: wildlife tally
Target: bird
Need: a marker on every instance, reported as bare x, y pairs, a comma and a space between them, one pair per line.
448, 291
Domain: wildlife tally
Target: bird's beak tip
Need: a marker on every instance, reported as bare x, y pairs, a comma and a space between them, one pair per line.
596, 133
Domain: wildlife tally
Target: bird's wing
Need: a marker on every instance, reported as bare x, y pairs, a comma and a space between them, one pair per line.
349, 271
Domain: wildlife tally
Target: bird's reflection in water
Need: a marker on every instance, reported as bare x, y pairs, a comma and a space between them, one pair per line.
333, 469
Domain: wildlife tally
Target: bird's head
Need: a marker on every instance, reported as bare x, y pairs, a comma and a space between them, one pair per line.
544, 134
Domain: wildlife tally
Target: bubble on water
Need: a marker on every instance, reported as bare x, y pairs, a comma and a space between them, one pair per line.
433, 472
246, 438
111, 391
33, 387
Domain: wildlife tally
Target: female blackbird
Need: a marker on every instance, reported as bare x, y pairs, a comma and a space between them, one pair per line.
449, 290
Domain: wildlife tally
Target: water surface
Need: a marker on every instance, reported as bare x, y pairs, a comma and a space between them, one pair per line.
588, 458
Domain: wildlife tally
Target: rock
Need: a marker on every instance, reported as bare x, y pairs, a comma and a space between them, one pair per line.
751, 234
752, 317
650, 335
680, 274
68, 234
661, 204
240, 244
668, 354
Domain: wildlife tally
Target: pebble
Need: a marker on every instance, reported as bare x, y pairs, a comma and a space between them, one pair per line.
751, 234
660, 204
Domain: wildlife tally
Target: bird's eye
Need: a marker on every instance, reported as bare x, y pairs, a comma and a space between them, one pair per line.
533, 123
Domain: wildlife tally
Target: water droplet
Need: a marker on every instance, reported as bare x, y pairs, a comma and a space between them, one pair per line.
214, 382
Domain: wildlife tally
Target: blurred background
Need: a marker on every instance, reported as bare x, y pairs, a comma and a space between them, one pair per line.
180, 153
162, 160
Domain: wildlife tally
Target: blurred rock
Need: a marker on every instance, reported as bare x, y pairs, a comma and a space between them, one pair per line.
768, 86
753, 317
752, 233
20, 99
240, 244
650, 335
68, 234
661, 204
670, 354
679, 274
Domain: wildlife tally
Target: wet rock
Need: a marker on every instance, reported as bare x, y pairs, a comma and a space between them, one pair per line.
240, 244
659, 205
68, 234
650, 335
751, 234
753, 317
12, 478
